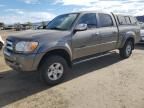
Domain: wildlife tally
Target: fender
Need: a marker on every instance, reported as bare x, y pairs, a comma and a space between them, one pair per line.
45, 48
127, 36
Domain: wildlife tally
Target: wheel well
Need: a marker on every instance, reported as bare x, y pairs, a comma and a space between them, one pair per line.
133, 41
59, 52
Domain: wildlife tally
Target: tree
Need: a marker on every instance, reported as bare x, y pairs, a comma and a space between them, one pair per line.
2, 25
28, 25
17, 26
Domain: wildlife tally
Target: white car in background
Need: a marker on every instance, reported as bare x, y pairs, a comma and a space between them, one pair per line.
1, 43
142, 36
142, 32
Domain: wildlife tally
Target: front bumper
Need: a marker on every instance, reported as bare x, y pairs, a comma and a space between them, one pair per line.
22, 62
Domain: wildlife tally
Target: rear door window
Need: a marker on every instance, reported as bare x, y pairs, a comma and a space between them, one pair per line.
105, 20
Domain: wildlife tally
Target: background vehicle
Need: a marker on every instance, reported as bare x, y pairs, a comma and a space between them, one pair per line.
1, 43
71, 39
142, 33
142, 36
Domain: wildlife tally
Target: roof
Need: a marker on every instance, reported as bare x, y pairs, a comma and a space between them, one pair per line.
90, 12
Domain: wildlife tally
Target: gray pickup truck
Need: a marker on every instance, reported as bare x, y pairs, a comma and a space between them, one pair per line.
70, 39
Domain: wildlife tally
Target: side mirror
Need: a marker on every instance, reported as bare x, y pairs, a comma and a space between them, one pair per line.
81, 27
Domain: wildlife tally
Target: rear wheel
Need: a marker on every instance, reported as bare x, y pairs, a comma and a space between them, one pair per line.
53, 70
126, 51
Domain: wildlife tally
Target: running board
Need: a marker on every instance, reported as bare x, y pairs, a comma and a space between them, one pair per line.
94, 57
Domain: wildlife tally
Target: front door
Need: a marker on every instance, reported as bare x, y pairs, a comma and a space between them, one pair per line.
85, 43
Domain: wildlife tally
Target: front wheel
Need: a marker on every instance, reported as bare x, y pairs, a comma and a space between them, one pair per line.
53, 70
126, 51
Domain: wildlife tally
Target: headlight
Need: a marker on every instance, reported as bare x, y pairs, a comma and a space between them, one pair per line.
26, 47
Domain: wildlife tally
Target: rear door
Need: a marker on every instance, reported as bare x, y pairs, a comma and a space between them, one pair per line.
85, 43
108, 32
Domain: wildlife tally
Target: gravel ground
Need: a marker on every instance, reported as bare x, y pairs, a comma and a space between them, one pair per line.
107, 82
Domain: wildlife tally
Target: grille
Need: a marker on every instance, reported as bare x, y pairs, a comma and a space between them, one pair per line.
9, 45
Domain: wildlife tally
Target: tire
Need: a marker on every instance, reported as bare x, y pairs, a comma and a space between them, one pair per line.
126, 51
53, 70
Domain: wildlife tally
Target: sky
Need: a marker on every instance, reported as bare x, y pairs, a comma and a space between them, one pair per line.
22, 11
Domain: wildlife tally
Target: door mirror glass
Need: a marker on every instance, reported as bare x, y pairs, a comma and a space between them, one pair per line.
81, 27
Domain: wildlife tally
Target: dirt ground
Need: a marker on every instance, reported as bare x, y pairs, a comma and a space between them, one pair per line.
107, 82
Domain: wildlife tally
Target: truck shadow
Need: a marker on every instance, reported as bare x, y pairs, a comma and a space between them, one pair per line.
15, 86
139, 46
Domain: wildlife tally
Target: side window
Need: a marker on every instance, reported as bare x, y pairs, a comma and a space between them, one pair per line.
133, 20
122, 20
127, 20
105, 20
89, 19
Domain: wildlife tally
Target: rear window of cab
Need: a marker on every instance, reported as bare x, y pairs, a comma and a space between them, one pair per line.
126, 20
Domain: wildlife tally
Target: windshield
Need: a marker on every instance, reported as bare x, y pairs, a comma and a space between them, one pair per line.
62, 22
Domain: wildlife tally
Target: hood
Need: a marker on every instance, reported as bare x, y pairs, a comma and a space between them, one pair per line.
39, 34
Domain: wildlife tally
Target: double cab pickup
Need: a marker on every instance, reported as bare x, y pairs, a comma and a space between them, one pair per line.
71, 39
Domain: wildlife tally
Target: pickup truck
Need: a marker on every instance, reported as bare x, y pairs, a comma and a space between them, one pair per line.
70, 39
